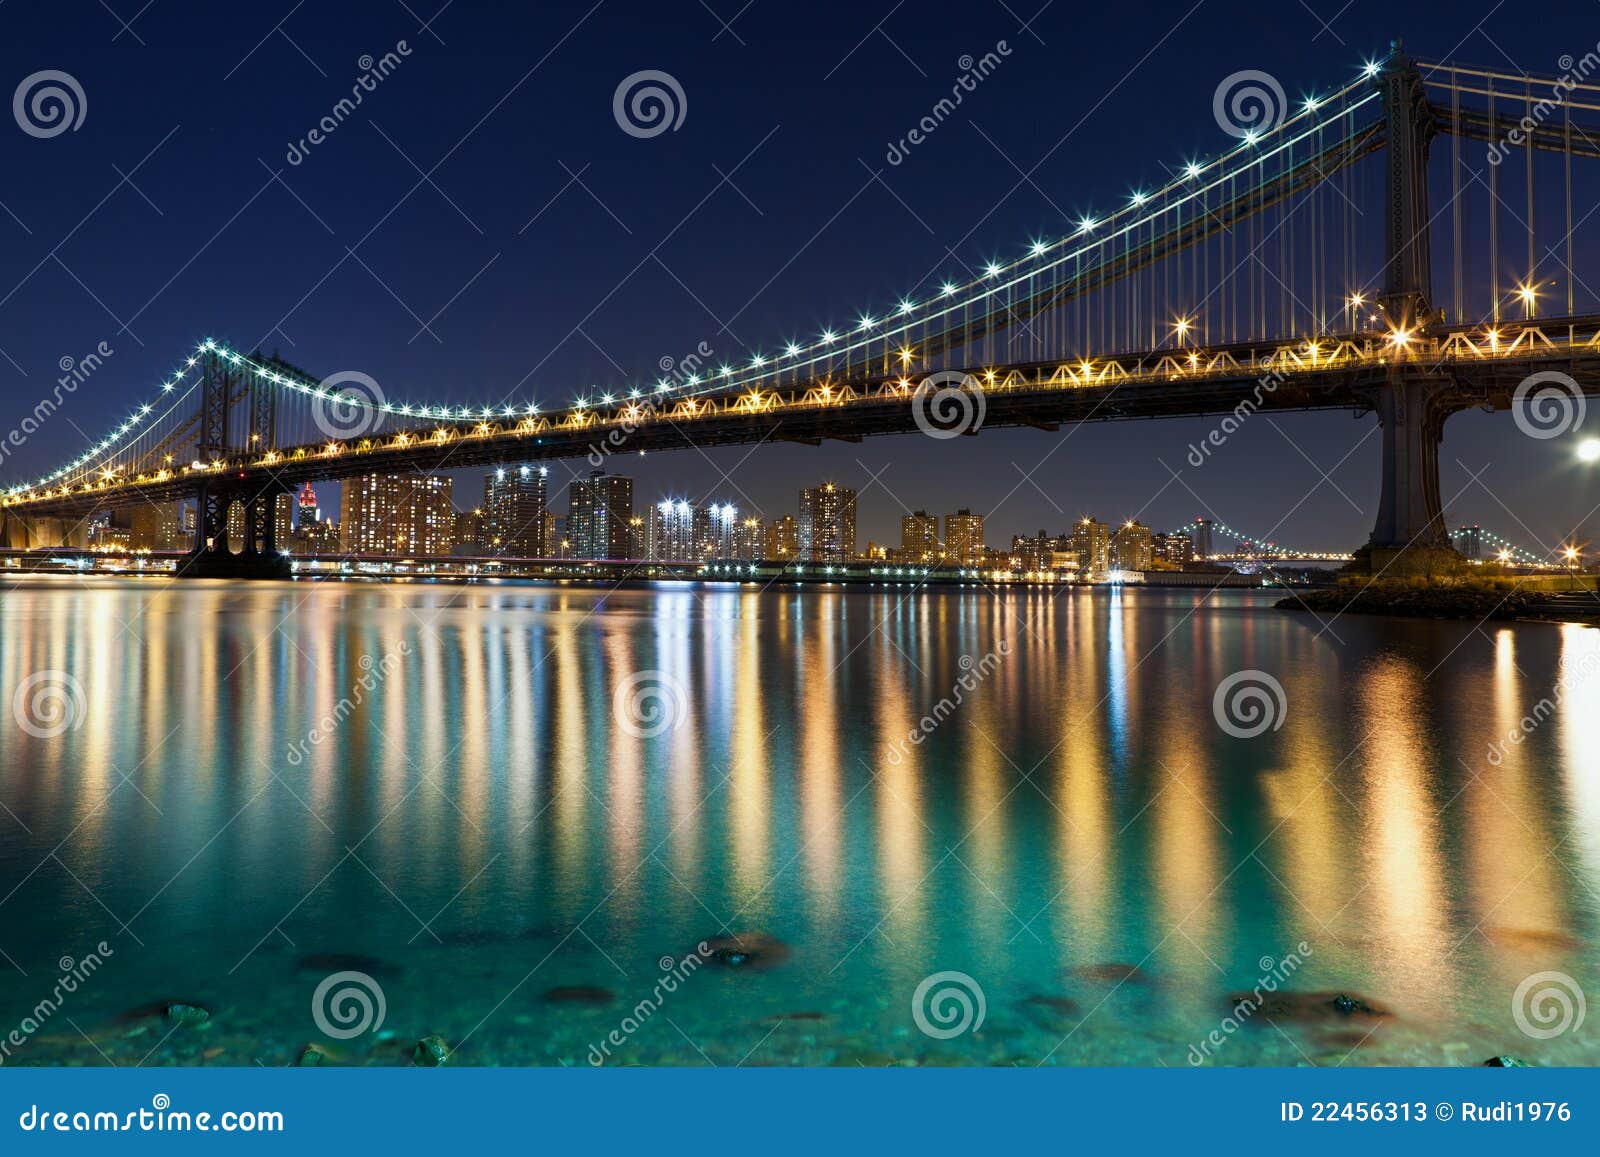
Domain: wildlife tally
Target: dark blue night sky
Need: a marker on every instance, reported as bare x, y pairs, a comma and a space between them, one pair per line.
481, 226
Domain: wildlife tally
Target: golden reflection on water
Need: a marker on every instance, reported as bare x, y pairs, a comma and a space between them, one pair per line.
1079, 777
1404, 898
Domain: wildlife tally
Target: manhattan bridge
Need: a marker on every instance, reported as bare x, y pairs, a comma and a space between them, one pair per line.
1404, 246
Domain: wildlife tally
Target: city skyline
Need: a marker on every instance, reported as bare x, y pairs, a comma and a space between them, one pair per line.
1015, 474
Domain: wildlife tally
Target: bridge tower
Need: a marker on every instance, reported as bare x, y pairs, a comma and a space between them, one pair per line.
1413, 403
210, 556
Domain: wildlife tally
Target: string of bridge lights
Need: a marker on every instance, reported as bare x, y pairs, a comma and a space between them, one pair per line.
1504, 551
132, 428
1260, 545
996, 278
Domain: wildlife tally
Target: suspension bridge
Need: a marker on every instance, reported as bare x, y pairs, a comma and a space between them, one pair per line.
1402, 246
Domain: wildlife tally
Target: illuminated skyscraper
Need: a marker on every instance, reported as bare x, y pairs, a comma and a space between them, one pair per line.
1132, 546
783, 539
399, 514
1091, 542
827, 524
306, 509
919, 537
963, 538
713, 530
749, 540
155, 526
1174, 549
670, 533
599, 512
515, 501
1200, 536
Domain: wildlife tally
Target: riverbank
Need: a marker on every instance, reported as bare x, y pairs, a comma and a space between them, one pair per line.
1476, 599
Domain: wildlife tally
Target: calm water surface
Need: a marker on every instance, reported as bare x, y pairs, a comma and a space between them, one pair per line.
264, 784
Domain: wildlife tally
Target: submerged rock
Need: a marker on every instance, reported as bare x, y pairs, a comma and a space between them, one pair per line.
175, 1011
1112, 973
347, 962
310, 1057
579, 994
782, 1016
179, 1012
156, 1010
431, 1052
1303, 1006
756, 950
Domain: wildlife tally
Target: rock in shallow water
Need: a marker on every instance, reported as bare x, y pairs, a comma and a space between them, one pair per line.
756, 950
579, 994
431, 1052
347, 962
1303, 1006
310, 1057
1112, 973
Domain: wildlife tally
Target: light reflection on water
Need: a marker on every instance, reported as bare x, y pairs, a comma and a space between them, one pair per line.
474, 821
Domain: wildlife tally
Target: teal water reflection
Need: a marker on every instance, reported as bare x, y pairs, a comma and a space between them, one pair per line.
431, 784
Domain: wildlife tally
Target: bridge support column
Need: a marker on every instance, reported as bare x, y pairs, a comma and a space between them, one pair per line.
258, 557
1410, 536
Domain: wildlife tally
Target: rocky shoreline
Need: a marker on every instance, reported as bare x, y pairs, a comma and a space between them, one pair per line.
1474, 601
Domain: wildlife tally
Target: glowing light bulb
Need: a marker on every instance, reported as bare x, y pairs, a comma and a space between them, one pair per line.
1589, 450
